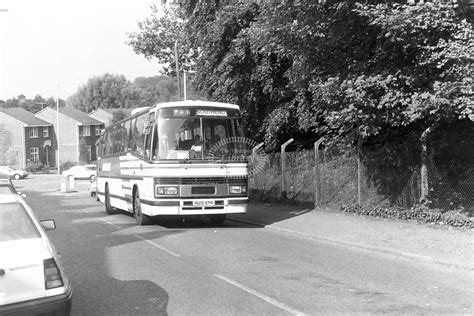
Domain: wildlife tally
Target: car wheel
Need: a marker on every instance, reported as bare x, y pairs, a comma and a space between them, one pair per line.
17, 177
91, 177
108, 208
141, 218
217, 220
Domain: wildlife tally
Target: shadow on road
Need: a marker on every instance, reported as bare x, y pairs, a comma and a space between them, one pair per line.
262, 215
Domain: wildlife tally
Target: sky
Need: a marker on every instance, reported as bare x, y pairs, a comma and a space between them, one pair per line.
52, 47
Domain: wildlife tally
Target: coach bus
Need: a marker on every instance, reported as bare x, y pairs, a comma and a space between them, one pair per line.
178, 158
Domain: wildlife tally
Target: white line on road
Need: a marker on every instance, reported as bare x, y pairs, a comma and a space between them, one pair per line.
142, 238
261, 296
107, 222
158, 246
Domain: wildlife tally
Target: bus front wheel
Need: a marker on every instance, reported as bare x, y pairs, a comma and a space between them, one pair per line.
141, 218
108, 208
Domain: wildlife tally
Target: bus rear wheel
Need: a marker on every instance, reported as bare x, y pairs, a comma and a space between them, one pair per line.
108, 208
218, 219
141, 218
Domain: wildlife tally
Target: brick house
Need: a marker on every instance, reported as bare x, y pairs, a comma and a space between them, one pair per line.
74, 126
25, 138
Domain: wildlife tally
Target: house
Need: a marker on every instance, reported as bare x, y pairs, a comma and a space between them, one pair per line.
78, 133
106, 116
25, 139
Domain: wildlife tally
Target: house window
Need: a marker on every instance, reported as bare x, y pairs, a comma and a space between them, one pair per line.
34, 154
97, 130
86, 130
46, 131
33, 132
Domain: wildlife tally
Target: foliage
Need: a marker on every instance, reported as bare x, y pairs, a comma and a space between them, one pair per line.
157, 37
157, 89
34, 166
106, 91
118, 116
339, 69
32, 105
420, 213
115, 91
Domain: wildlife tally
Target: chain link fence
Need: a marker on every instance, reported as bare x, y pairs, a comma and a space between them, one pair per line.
338, 175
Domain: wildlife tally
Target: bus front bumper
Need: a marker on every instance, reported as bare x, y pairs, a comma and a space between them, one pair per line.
195, 206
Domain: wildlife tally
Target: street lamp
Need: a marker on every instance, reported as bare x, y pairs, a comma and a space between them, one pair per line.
57, 123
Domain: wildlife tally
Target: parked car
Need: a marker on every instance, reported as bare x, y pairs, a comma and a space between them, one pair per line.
7, 187
13, 173
32, 278
81, 172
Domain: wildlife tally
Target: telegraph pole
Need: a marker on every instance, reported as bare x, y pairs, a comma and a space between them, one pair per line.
57, 124
177, 69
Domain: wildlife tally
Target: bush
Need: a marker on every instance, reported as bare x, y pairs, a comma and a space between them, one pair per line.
420, 213
34, 166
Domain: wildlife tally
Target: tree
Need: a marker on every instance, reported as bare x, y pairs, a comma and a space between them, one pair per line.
157, 89
31, 105
157, 37
118, 116
106, 91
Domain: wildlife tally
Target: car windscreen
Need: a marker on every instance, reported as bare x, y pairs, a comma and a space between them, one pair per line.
16, 223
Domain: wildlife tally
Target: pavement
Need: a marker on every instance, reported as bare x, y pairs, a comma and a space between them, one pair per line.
447, 246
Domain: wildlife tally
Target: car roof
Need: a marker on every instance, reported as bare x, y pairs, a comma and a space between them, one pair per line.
10, 198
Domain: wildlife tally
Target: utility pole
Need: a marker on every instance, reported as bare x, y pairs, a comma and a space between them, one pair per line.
57, 123
177, 69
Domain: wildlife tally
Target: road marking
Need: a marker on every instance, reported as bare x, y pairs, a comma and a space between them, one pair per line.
158, 246
142, 238
261, 296
107, 222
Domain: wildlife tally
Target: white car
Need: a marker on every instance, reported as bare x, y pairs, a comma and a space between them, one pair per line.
17, 174
32, 279
81, 172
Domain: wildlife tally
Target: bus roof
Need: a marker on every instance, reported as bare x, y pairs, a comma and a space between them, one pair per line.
197, 103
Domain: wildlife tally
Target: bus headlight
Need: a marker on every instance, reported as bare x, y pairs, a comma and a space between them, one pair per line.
237, 189
167, 190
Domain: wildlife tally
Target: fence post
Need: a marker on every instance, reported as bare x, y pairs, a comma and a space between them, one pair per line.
317, 173
424, 164
359, 166
283, 168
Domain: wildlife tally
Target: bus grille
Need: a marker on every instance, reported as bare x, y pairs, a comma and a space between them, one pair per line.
197, 180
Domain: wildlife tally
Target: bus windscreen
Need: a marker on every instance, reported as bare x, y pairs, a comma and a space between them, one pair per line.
199, 134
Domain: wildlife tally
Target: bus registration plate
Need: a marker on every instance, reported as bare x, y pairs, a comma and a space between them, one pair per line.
203, 203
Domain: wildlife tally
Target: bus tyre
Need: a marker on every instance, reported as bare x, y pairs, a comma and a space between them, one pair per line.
108, 208
217, 220
141, 218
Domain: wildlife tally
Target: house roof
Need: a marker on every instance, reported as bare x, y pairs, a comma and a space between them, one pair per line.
79, 116
27, 118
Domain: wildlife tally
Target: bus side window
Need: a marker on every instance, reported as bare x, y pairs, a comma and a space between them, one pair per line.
126, 138
138, 138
